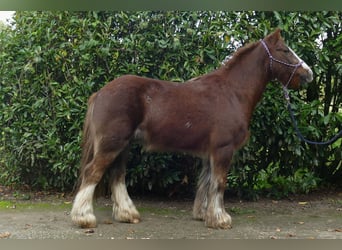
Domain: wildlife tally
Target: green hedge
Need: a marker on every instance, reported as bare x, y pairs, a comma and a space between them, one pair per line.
50, 63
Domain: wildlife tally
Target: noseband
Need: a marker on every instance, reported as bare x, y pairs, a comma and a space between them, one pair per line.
295, 66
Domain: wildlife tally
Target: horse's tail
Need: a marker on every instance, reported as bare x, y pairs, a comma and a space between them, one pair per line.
87, 140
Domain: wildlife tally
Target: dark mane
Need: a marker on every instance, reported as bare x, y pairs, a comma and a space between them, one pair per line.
242, 51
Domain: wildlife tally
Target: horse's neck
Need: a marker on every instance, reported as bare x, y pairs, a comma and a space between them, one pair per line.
247, 79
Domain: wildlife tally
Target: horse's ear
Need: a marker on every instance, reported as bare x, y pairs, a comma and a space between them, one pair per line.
277, 33
274, 36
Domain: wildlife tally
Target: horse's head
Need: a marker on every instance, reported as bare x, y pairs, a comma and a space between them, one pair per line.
285, 65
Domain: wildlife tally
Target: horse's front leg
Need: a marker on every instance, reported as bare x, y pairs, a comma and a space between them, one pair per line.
201, 200
216, 215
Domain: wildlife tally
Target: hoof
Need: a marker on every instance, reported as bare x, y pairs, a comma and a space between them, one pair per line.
219, 221
135, 221
218, 225
88, 221
127, 216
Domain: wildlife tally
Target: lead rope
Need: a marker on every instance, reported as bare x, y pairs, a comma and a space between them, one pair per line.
295, 124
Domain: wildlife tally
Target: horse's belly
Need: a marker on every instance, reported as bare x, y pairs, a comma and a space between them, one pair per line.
173, 138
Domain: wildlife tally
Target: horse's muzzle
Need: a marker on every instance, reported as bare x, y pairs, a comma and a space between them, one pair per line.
306, 78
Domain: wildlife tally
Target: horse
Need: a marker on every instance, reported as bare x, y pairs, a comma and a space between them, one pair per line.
207, 116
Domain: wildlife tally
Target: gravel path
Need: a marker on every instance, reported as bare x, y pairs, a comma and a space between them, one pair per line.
311, 217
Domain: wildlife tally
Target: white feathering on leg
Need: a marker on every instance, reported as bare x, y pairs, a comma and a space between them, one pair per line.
123, 207
82, 210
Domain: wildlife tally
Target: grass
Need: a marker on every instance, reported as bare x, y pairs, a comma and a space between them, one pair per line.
5, 204
27, 205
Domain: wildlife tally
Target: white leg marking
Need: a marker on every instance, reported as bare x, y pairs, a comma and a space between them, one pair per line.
200, 205
201, 199
82, 210
123, 207
216, 216
220, 211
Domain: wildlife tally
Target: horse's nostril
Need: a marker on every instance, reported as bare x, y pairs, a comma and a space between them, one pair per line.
306, 78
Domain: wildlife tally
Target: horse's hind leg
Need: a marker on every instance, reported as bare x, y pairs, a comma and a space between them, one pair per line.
82, 211
123, 207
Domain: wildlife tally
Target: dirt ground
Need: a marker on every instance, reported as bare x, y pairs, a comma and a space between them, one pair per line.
46, 216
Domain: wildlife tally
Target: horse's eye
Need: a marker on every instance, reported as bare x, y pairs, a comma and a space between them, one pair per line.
285, 50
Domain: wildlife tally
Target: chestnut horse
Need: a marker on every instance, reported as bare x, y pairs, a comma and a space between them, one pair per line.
207, 116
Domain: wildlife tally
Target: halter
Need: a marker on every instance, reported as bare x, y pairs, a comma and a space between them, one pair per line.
295, 66
287, 97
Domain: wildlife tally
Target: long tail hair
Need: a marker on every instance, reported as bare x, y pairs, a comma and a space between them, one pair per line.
87, 141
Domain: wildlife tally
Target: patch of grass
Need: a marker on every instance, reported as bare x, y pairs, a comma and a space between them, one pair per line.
4, 205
